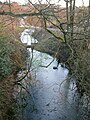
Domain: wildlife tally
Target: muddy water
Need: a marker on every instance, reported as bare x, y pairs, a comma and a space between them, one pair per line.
52, 93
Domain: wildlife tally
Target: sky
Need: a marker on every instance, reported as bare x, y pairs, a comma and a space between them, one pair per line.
62, 3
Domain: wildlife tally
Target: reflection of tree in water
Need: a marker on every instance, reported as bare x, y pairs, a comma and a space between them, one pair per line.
68, 103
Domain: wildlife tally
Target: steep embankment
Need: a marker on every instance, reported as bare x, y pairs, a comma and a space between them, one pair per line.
12, 59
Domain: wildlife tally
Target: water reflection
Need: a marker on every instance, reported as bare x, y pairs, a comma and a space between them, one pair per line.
50, 90
52, 93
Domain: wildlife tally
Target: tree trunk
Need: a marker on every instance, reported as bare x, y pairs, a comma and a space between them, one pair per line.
72, 12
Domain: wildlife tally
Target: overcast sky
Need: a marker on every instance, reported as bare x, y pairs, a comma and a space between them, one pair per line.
78, 2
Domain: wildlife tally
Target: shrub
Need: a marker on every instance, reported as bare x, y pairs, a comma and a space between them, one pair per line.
11, 52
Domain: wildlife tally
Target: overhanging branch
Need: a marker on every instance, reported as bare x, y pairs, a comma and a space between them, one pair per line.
20, 15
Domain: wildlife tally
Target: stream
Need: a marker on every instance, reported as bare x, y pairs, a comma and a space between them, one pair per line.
52, 93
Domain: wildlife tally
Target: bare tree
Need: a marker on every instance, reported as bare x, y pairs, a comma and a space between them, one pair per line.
71, 31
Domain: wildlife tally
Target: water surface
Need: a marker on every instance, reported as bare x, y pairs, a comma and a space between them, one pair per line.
52, 93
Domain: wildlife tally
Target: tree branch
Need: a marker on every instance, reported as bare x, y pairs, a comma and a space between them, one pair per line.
20, 15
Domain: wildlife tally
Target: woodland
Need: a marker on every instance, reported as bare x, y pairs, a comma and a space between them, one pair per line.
62, 32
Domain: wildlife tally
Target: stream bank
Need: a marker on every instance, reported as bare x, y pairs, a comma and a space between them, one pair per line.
12, 60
